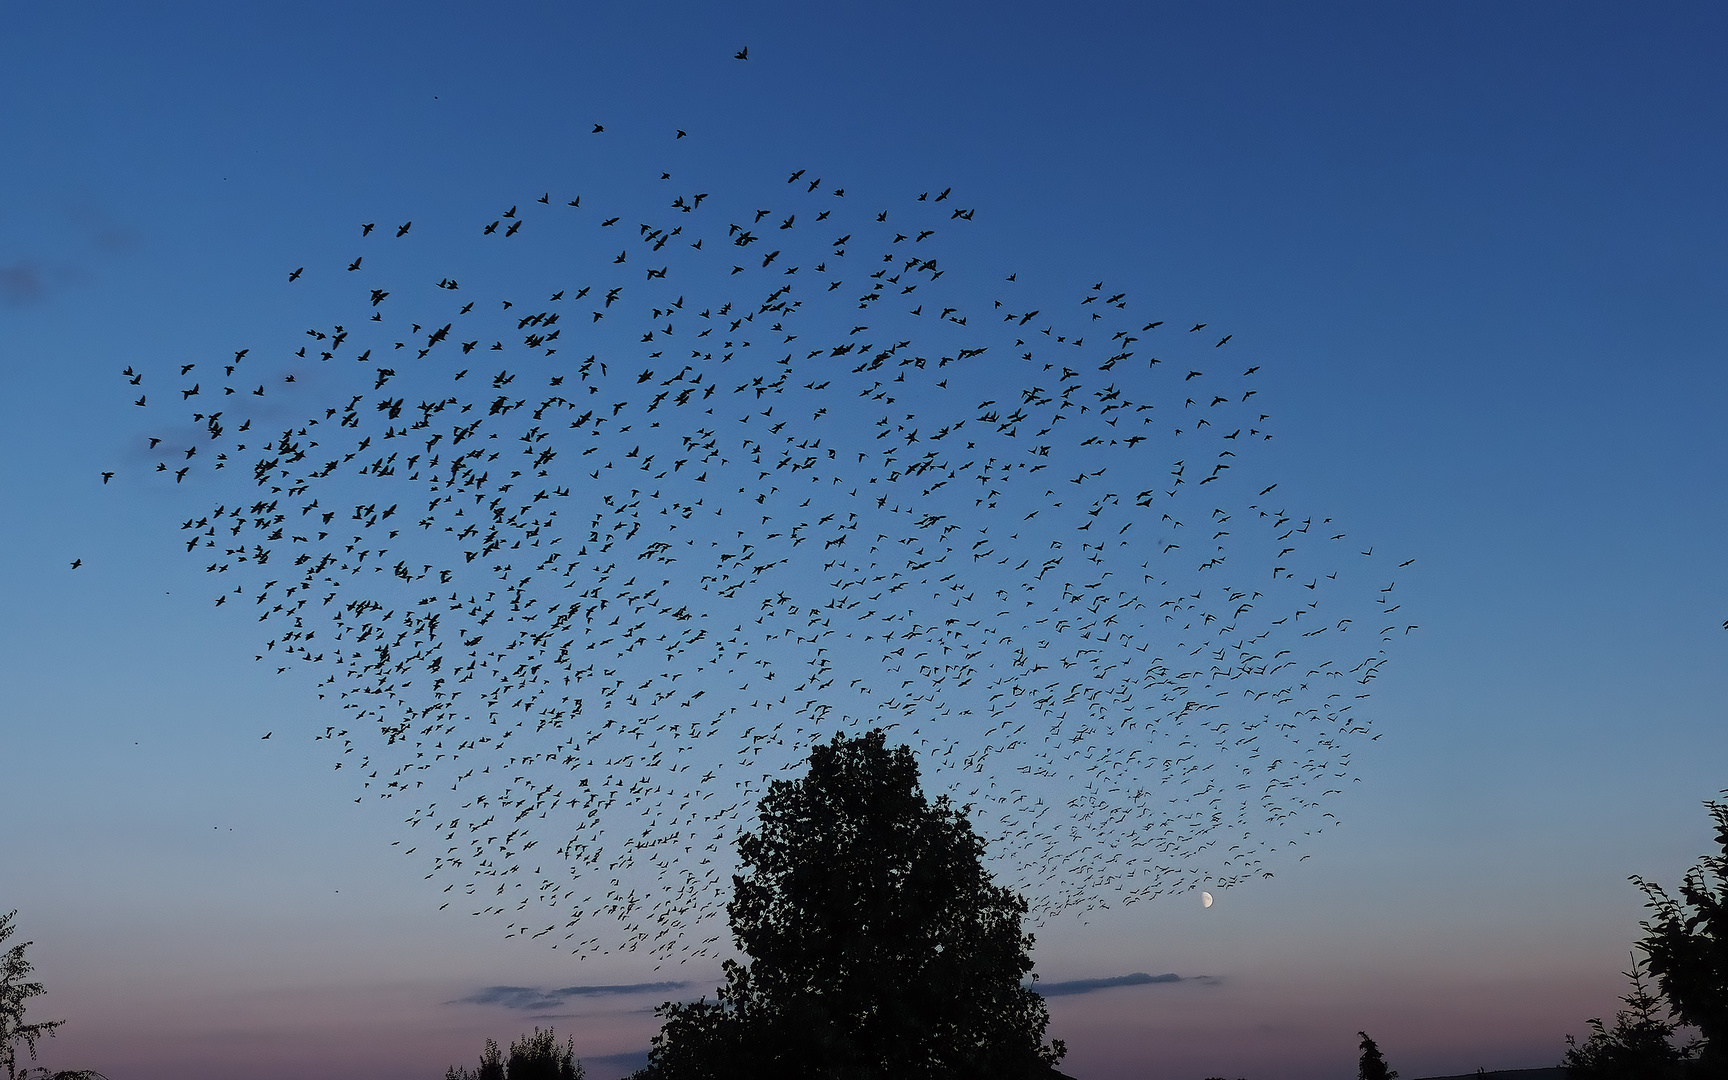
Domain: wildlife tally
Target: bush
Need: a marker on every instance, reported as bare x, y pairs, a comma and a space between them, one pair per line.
16, 989
1640, 1046
1371, 1065
1687, 943
532, 1057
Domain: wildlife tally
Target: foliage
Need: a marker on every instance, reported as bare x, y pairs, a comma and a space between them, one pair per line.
879, 946
1687, 943
1372, 1066
532, 1057
491, 1066
15, 990
539, 1057
1639, 1047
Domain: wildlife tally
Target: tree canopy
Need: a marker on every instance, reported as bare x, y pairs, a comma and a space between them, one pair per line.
879, 945
1686, 941
532, 1057
1639, 1046
1371, 1066
16, 989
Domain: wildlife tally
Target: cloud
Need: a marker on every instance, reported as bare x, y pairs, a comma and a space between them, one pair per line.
535, 999
538, 1000
21, 284
1087, 986
32, 279
103, 232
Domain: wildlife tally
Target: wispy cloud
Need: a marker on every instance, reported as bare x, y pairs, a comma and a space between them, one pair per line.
97, 227
22, 283
1087, 986
93, 236
536, 999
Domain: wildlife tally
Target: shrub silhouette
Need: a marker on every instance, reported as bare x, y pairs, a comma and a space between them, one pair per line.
1687, 943
16, 989
1639, 1047
539, 1057
1372, 1066
879, 945
532, 1057
491, 1066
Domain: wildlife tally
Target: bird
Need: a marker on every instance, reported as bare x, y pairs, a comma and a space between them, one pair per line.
742, 54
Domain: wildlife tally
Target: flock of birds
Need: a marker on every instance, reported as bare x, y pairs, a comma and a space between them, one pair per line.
594, 522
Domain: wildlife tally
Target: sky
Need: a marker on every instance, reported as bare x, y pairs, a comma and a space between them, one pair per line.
1477, 250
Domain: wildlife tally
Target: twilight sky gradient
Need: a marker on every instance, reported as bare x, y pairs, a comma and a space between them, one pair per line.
1478, 248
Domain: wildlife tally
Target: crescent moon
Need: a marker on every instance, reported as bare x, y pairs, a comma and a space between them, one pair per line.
1205, 899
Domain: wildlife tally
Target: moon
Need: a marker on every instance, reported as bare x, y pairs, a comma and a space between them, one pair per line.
1205, 899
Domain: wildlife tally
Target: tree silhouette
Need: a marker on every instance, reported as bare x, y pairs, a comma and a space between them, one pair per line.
532, 1057
879, 945
1687, 943
539, 1057
16, 989
1639, 1047
491, 1066
1372, 1066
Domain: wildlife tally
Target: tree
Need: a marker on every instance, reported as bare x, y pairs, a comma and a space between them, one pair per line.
879, 945
1640, 1046
539, 1057
15, 990
491, 1066
1687, 946
532, 1057
1372, 1066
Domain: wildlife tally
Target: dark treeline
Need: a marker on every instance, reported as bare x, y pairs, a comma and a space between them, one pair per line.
880, 948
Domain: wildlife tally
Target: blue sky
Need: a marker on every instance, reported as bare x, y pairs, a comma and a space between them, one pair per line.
1476, 250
